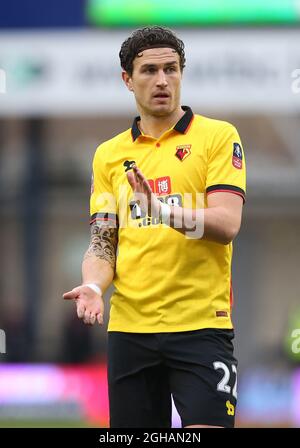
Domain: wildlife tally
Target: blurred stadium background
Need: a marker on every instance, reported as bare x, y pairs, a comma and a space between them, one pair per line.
60, 96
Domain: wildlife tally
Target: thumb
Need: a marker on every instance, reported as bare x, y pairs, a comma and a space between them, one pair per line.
70, 295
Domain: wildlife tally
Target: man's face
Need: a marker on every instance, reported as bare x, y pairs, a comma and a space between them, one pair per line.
156, 81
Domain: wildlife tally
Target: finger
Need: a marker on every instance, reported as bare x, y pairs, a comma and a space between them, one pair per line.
142, 179
131, 180
73, 294
80, 310
139, 175
138, 172
147, 187
86, 317
139, 180
100, 318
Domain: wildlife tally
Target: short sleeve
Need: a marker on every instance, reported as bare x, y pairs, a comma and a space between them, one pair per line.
226, 163
102, 200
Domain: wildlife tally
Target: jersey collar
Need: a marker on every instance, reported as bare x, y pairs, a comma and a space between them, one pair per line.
181, 126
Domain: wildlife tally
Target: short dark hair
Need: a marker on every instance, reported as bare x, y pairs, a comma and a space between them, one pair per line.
149, 37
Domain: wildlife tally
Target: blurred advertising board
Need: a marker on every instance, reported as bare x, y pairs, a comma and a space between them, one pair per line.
54, 392
44, 392
78, 73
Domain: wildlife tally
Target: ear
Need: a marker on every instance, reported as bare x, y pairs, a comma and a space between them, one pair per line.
127, 80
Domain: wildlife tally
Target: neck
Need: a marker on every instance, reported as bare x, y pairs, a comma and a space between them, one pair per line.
156, 126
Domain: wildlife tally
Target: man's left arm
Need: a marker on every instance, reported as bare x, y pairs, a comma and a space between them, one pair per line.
219, 222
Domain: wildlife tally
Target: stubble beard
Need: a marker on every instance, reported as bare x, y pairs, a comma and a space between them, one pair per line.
163, 110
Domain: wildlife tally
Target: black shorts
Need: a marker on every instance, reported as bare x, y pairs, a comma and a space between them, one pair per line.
197, 367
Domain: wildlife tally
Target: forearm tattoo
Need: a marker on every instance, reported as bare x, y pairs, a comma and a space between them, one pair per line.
103, 244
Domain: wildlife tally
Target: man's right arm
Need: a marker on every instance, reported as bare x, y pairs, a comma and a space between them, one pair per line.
99, 261
98, 267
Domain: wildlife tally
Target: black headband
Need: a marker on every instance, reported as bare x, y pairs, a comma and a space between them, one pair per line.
147, 47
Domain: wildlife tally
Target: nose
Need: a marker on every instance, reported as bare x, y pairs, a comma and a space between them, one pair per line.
161, 79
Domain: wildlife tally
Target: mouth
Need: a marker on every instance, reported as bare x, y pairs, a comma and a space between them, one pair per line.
161, 96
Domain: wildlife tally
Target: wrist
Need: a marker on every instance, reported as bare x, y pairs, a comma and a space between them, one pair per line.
96, 288
154, 206
164, 213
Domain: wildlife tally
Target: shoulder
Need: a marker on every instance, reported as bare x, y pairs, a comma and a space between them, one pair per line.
105, 148
213, 126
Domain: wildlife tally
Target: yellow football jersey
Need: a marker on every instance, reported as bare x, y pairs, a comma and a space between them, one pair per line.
164, 281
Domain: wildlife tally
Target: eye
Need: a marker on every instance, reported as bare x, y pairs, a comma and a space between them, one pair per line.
149, 70
171, 69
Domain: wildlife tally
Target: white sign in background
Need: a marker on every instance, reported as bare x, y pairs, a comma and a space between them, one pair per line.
2, 341
2, 81
78, 72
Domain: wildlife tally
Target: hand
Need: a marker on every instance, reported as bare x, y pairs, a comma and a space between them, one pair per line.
143, 194
90, 305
